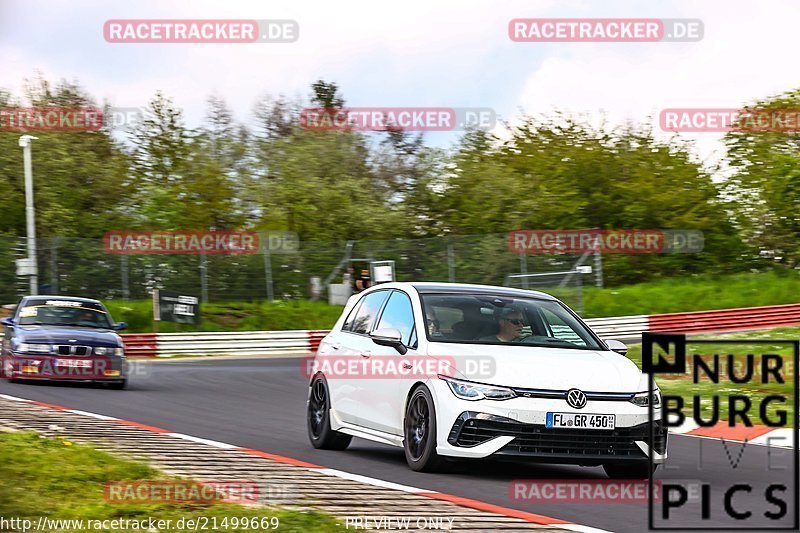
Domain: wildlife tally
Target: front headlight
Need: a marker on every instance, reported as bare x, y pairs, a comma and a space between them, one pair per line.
466, 390
641, 399
33, 348
102, 350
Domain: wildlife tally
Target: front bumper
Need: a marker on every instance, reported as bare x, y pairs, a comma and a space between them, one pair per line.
110, 369
557, 445
516, 429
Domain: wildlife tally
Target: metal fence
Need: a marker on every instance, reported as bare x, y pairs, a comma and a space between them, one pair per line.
79, 266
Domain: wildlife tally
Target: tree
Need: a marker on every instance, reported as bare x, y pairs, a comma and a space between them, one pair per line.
765, 182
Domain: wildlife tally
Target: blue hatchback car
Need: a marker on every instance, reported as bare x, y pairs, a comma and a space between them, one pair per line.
63, 338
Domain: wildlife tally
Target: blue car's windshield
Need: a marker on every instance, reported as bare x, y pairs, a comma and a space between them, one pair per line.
55, 312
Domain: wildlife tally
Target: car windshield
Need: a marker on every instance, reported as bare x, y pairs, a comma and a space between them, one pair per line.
64, 313
490, 319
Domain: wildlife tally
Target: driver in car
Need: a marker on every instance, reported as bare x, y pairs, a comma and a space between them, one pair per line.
510, 321
86, 316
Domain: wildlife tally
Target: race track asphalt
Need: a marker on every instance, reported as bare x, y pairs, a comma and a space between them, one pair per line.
260, 404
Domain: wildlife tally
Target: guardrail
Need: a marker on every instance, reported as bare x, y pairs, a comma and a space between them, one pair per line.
307, 341
727, 319
234, 343
619, 327
140, 344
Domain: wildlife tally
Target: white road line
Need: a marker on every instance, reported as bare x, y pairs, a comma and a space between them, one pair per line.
214, 443
780, 437
371, 481
13, 398
771, 444
578, 527
93, 415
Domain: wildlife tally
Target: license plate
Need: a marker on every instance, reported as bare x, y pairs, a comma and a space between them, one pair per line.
580, 421
73, 363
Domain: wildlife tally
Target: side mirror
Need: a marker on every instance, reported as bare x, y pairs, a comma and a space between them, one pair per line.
120, 325
389, 337
7, 321
617, 346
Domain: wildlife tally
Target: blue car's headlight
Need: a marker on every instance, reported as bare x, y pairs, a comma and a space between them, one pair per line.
103, 350
25, 347
467, 390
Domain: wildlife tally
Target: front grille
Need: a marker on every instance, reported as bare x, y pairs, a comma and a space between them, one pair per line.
69, 349
531, 439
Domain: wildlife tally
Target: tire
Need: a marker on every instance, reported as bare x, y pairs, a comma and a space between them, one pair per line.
118, 385
3, 373
318, 419
629, 470
419, 432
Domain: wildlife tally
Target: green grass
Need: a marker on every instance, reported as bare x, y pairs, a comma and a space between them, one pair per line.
756, 390
694, 293
62, 480
232, 316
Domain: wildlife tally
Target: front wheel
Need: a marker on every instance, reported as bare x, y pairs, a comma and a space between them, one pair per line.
319, 421
5, 369
118, 385
419, 432
629, 470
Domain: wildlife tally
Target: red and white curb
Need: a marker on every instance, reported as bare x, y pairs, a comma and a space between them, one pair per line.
451, 498
757, 434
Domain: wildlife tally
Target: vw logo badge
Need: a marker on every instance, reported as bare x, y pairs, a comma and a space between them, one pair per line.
576, 399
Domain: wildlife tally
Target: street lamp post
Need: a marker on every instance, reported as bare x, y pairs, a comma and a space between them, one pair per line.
30, 216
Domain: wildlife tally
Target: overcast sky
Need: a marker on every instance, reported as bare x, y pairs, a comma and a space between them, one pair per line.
415, 53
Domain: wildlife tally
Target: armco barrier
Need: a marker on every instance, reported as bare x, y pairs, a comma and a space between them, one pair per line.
314, 338
726, 319
233, 343
140, 344
619, 327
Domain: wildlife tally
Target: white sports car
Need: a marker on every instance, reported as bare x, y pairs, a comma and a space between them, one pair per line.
471, 371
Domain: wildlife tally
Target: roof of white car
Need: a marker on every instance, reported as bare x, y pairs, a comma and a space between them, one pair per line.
466, 288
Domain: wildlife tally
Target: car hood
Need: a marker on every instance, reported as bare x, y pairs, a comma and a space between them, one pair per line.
541, 367
67, 335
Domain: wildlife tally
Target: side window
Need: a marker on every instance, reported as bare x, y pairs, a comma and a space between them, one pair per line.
399, 315
351, 318
369, 307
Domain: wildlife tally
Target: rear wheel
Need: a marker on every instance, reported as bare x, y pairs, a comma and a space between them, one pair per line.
318, 419
629, 470
419, 432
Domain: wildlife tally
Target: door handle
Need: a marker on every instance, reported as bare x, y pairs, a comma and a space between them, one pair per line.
366, 354
336, 346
